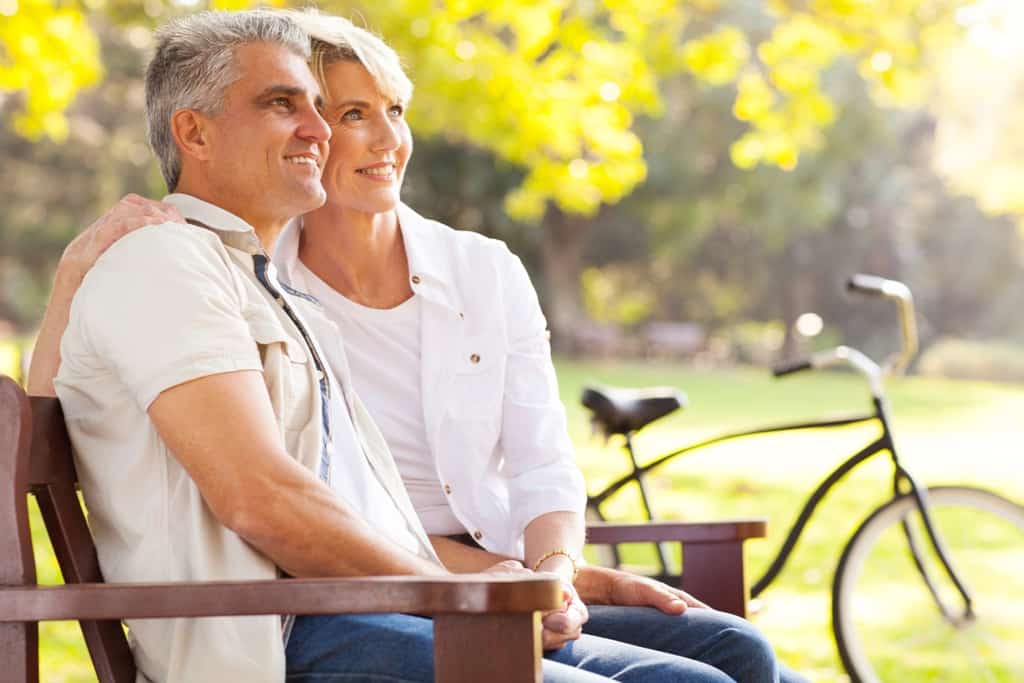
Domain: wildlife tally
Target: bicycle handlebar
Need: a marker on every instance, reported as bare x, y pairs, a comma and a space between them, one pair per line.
874, 285
789, 367
862, 283
871, 285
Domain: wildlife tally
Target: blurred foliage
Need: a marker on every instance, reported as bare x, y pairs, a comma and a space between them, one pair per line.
47, 54
543, 111
959, 358
554, 86
980, 105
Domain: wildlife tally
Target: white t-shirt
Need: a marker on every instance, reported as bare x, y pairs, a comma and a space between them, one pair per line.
383, 349
352, 477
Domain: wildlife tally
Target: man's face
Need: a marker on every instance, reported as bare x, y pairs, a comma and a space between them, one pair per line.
269, 143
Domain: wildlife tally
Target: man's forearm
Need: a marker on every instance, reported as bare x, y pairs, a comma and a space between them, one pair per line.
223, 431
308, 532
463, 559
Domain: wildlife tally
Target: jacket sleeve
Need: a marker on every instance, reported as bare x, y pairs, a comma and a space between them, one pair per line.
534, 437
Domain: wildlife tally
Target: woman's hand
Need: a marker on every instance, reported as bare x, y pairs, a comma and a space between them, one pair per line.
603, 586
129, 214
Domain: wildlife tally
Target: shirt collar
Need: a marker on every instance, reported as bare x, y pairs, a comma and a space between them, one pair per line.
231, 229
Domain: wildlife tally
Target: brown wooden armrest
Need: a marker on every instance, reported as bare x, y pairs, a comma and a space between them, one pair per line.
725, 531
464, 594
713, 568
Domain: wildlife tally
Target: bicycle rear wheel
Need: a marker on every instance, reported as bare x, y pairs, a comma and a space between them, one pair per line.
886, 623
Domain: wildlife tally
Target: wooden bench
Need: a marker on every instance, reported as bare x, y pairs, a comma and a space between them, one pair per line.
485, 628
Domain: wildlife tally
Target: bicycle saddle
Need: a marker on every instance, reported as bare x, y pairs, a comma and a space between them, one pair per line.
621, 411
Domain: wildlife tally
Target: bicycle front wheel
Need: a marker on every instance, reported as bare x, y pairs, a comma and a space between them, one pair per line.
887, 625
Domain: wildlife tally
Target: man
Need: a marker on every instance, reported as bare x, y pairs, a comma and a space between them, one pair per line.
194, 398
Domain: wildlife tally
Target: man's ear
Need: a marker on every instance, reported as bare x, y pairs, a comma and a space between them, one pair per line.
191, 131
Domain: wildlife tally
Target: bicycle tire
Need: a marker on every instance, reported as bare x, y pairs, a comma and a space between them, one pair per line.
879, 598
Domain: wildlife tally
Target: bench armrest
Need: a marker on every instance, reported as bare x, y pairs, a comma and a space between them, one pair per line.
465, 594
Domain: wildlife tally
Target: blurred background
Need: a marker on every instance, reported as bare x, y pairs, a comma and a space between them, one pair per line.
683, 179
689, 183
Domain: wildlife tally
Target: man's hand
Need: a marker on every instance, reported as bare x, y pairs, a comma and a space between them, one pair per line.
560, 625
603, 586
508, 567
563, 625
129, 214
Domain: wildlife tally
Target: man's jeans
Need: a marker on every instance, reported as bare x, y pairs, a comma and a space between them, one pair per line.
701, 646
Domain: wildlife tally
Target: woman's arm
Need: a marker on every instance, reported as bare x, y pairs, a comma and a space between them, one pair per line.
129, 214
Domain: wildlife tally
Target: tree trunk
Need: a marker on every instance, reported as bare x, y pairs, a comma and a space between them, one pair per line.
561, 251
798, 297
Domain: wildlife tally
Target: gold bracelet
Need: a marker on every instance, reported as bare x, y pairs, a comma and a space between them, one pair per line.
558, 551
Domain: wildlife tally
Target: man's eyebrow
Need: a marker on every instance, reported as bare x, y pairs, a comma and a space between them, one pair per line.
276, 90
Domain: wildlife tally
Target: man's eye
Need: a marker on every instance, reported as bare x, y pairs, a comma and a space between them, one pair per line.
281, 102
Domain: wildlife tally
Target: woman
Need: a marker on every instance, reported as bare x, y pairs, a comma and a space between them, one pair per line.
445, 343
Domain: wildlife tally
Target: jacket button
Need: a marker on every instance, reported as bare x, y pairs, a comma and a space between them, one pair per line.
474, 359
415, 279
477, 535
447, 489
461, 316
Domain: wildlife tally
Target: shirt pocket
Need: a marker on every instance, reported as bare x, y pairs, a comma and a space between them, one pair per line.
478, 382
288, 371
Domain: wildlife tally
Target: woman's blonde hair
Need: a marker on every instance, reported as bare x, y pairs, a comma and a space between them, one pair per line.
334, 39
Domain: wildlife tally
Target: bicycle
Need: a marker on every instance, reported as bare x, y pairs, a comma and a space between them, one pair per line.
928, 552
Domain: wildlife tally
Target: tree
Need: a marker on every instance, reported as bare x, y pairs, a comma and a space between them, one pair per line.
554, 87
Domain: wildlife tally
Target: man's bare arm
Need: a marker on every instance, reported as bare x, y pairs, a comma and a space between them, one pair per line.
221, 428
131, 213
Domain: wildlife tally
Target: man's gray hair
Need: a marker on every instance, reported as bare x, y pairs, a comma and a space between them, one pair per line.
195, 64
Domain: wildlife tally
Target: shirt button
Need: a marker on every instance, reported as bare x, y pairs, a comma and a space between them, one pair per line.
474, 359
415, 279
461, 316
477, 535
447, 489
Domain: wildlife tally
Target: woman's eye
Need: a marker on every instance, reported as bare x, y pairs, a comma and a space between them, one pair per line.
397, 110
352, 115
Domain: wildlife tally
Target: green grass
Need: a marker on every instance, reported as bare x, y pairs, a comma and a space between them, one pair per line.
947, 432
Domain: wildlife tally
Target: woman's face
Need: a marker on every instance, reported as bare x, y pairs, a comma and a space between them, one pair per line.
370, 141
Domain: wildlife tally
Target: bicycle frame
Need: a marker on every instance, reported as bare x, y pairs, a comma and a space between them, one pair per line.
883, 443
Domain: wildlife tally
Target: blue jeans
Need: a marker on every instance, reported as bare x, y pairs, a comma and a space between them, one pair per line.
707, 648
724, 641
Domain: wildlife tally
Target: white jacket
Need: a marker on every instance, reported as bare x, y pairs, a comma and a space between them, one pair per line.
494, 421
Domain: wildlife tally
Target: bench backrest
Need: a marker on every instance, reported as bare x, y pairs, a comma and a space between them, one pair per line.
35, 457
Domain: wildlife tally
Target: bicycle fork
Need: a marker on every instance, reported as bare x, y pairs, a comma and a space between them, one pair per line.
920, 495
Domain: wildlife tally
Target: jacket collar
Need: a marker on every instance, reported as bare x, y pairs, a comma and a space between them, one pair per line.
231, 229
429, 255
430, 266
